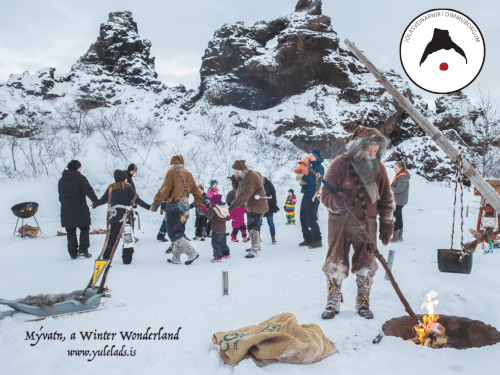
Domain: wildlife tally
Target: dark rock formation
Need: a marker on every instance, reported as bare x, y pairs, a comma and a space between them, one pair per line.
119, 51
241, 66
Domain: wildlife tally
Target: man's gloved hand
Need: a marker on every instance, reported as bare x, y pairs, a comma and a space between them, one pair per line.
341, 200
154, 207
386, 229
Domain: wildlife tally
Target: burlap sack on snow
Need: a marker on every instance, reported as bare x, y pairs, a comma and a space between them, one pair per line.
279, 339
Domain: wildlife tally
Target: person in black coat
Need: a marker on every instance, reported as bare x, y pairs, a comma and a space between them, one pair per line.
273, 207
73, 187
122, 193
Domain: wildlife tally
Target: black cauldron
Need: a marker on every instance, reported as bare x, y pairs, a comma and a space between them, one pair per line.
25, 210
449, 261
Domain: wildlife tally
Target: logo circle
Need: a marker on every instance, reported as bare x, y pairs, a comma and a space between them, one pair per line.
442, 51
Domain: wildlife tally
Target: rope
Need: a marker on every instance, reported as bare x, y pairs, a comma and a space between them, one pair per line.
490, 250
458, 173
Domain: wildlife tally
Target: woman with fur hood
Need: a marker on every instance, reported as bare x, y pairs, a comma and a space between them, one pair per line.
122, 193
400, 187
363, 186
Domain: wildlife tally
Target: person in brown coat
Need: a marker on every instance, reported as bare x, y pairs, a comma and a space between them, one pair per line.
250, 192
176, 188
363, 185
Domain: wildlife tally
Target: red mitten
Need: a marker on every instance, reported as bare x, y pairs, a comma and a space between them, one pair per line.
203, 208
386, 229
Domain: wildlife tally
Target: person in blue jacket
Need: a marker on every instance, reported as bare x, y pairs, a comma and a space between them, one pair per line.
309, 206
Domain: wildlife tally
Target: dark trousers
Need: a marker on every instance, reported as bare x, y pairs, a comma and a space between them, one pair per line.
309, 219
254, 221
113, 237
73, 247
201, 226
163, 229
219, 245
398, 214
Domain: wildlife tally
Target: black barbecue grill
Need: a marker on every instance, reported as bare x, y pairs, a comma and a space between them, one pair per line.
24, 211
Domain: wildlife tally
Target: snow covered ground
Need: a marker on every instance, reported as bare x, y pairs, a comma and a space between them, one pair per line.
285, 278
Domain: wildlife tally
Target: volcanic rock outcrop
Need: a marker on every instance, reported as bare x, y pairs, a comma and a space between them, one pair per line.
119, 51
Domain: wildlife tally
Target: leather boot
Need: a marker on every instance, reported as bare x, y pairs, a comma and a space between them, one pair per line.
334, 298
363, 297
400, 239
273, 239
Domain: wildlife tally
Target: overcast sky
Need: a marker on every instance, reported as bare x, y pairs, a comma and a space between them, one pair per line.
41, 33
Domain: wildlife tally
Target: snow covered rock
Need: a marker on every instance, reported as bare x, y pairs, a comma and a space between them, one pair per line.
119, 51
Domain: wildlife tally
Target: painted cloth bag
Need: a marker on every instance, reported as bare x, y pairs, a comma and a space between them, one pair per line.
278, 339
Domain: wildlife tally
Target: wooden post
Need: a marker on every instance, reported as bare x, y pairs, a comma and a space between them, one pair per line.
390, 259
225, 284
467, 212
480, 183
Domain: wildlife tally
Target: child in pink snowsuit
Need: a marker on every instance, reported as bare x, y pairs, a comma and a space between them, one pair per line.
238, 217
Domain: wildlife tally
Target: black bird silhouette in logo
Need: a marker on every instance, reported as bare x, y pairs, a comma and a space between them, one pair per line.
441, 40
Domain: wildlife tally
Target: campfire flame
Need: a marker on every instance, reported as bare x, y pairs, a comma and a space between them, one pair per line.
427, 333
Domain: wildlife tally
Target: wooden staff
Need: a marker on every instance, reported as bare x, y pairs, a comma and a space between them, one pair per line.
370, 246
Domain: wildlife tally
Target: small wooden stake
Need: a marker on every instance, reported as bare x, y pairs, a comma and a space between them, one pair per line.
467, 212
390, 259
225, 284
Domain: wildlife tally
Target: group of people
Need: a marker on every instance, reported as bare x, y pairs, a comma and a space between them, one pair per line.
360, 185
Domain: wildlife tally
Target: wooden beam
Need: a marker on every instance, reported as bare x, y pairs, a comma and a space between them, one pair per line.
468, 170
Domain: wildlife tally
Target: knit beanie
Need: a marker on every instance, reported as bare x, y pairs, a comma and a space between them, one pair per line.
316, 153
120, 175
213, 182
73, 165
240, 165
291, 191
132, 167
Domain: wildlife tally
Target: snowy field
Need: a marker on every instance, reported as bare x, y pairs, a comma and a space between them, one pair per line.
285, 278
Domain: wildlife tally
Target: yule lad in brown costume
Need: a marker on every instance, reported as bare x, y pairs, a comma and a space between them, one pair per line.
176, 187
252, 193
363, 185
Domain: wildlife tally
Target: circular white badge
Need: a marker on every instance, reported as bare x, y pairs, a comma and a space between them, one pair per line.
442, 51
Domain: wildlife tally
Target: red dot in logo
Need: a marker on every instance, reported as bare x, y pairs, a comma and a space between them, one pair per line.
443, 66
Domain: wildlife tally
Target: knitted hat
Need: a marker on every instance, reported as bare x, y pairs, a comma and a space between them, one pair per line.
213, 182
215, 199
362, 131
120, 175
73, 165
132, 167
239, 165
291, 191
234, 182
316, 153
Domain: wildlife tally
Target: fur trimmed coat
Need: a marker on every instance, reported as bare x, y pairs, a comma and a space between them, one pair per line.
339, 177
252, 185
173, 186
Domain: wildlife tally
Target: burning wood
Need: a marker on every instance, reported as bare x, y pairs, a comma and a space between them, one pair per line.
430, 332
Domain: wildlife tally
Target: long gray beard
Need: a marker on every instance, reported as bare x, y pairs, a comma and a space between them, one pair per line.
367, 168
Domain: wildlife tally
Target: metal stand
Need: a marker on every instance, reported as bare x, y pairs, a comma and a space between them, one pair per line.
22, 225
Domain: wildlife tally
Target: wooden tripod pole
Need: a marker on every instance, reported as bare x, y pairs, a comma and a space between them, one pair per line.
480, 183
